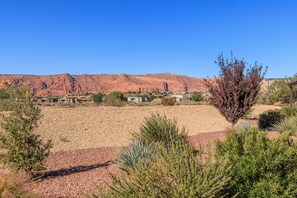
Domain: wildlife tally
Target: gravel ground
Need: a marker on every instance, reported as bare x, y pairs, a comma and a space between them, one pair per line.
75, 173
94, 127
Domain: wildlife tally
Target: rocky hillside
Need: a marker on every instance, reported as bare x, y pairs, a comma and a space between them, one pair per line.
66, 84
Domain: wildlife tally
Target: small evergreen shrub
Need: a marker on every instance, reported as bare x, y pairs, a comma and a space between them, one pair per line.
168, 101
270, 118
137, 152
260, 167
21, 148
158, 128
197, 96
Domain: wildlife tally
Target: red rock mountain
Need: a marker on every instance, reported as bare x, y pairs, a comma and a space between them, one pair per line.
66, 84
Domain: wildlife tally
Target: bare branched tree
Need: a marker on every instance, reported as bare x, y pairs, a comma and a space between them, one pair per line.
234, 92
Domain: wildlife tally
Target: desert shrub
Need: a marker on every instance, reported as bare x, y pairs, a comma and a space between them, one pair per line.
287, 124
289, 111
263, 99
280, 91
260, 167
158, 128
22, 149
270, 118
4, 100
98, 98
234, 92
174, 172
118, 95
137, 152
197, 96
168, 101
111, 100
10, 188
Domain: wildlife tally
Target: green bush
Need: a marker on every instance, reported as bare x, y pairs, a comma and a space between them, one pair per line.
197, 96
98, 98
137, 152
287, 124
270, 118
111, 100
4, 100
174, 172
21, 148
158, 128
280, 91
168, 101
118, 95
260, 167
289, 111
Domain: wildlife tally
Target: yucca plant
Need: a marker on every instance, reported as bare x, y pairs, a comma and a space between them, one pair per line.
288, 124
175, 172
158, 128
137, 152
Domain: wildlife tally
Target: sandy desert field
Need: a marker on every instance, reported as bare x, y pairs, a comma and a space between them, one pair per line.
94, 127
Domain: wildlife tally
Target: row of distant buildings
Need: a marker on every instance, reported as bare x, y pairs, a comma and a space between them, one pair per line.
132, 98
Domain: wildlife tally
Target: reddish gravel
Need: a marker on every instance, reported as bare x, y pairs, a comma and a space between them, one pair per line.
72, 173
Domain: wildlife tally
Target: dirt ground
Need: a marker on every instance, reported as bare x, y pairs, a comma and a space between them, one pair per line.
94, 127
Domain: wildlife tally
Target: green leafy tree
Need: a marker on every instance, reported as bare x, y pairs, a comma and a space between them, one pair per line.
21, 148
197, 96
98, 98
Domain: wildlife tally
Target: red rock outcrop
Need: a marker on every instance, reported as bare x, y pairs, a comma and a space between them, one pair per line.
66, 84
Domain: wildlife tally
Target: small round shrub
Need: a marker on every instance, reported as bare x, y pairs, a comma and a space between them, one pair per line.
98, 98
159, 129
197, 96
270, 118
168, 101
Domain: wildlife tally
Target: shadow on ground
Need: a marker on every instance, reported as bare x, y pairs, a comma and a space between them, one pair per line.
72, 170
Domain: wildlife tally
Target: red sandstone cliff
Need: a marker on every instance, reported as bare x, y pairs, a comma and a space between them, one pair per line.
66, 84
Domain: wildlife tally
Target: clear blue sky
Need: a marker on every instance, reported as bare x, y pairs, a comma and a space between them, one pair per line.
145, 36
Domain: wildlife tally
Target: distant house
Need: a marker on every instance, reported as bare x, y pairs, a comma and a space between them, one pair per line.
68, 100
137, 99
181, 97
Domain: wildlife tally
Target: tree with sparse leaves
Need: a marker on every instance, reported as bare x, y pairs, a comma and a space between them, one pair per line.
234, 92
21, 148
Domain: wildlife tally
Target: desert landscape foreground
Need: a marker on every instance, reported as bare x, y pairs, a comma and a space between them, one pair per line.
87, 139
95, 127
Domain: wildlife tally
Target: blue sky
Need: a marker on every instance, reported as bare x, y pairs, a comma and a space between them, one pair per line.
145, 36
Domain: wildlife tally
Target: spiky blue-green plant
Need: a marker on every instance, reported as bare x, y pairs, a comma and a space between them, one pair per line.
137, 152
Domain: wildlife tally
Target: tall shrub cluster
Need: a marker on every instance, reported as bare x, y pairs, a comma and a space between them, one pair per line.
21, 148
165, 165
280, 91
234, 92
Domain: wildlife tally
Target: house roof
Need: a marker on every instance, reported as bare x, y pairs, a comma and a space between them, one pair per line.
293, 83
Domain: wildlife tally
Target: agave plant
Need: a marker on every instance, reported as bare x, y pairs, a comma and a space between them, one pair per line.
288, 124
137, 152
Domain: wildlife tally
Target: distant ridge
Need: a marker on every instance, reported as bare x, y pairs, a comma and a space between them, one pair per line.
66, 84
